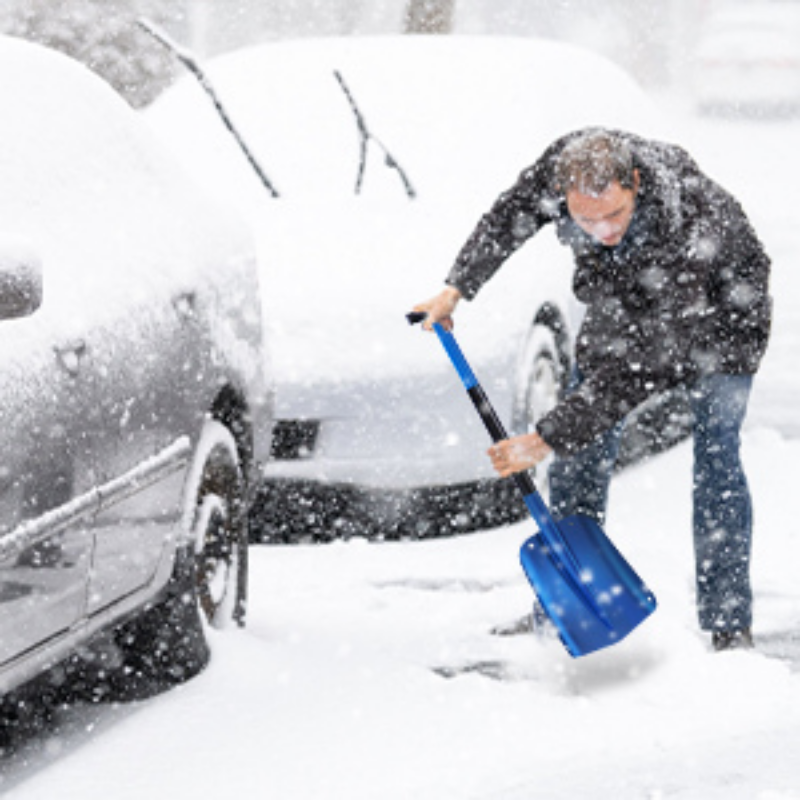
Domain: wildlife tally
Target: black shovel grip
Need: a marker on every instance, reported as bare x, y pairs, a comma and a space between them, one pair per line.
498, 433
478, 397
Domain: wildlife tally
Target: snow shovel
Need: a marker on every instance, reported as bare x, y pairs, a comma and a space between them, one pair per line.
588, 590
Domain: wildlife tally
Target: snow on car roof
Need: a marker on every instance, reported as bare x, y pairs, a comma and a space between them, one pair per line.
90, 188
457, 112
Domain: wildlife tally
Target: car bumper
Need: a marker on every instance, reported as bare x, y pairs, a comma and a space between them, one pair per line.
294, 510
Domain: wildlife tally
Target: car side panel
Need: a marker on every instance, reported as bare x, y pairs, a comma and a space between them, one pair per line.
141, 445
45, 501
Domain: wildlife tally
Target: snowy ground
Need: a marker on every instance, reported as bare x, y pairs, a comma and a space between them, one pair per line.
368, 671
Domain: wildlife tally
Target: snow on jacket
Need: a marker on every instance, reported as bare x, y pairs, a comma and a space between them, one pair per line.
685, 293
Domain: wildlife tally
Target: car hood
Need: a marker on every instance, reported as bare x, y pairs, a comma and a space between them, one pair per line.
337, 287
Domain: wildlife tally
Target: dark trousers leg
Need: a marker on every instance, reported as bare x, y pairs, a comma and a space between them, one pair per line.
579, 484
723, 513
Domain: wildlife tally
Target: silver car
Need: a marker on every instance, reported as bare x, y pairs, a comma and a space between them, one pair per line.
134, 398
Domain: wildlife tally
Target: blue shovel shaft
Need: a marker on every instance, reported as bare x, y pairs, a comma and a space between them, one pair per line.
488, 415
533, 500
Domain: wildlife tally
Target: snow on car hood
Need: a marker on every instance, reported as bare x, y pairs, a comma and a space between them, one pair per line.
338, 286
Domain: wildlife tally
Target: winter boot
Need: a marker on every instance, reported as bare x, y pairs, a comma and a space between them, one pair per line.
732, 640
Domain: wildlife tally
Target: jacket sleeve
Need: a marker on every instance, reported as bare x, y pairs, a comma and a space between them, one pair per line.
599, 403
515, 216
633, 354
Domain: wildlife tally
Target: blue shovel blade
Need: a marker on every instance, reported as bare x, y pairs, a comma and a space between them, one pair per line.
601, 604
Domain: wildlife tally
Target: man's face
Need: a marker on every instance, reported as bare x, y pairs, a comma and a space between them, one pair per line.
604, 217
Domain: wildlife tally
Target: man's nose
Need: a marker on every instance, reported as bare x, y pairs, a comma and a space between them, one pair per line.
603, 229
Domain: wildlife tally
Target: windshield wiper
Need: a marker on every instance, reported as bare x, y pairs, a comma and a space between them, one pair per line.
365, 135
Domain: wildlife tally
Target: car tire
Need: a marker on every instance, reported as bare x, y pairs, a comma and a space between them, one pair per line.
219, 531
166, 644
542, 380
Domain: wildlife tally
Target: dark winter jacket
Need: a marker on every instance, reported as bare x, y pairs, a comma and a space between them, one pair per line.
685, 293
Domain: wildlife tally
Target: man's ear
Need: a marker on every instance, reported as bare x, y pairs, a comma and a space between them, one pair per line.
636, 181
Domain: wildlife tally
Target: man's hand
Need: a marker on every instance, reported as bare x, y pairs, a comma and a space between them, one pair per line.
518, 454
440, 308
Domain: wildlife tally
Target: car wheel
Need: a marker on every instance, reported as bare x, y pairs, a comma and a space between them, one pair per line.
219, 531
542, 379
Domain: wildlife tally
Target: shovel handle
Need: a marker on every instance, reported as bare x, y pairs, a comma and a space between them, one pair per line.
483, 406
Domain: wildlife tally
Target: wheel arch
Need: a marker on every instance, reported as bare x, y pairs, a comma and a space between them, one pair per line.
552, 319
551, 316
231, 409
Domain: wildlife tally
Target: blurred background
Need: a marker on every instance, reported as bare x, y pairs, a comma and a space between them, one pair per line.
660, 42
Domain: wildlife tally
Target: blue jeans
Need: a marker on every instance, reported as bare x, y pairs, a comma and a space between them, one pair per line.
722, 508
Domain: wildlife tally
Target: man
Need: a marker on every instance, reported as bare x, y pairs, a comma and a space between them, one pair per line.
675, 284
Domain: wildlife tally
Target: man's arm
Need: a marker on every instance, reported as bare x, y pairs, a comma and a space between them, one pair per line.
507, 225
515, 217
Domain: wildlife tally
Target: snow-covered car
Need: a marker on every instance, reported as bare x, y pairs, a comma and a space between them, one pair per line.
132, 380
383, 153
747, 61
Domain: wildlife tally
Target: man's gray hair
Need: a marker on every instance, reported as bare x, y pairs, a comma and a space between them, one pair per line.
593, 161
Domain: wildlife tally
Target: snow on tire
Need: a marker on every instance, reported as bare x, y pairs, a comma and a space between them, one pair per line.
216, 522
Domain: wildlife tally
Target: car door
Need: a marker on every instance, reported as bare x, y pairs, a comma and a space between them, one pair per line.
141, 440
47, 481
